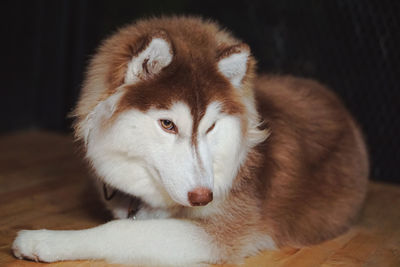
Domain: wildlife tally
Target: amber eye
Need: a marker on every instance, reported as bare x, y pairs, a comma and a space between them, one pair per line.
168, 126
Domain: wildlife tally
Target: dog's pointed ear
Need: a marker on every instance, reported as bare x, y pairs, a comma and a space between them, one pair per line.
155, 54
232, 63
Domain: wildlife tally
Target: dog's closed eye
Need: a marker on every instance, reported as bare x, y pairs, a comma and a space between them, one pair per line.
211, 128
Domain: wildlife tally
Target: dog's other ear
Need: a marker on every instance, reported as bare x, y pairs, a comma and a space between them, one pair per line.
232, 63
155, 54
102, 112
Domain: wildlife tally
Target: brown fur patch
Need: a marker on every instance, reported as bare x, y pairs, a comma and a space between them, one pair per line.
192, 77
315, 161
224, 51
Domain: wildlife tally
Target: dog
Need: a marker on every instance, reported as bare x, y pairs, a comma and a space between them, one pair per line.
200, 159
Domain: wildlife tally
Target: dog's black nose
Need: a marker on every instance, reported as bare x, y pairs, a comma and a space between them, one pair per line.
200, 196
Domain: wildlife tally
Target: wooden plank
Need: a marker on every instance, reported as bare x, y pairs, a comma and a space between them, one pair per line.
44, 184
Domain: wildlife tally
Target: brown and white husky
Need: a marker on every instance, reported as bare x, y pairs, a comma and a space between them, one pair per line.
202, 160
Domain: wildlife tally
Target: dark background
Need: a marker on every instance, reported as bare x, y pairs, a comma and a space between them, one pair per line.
350, 45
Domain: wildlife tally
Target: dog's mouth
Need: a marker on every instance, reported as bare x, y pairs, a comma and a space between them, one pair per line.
134, 204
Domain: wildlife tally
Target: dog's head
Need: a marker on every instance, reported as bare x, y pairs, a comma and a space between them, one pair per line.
168, 115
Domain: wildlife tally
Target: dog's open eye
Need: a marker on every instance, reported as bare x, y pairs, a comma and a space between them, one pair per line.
211, 128
168, 126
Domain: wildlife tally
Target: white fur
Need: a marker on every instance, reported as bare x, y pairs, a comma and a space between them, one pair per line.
119, 159
136, 156
254, 244
234, 67
101, 113
158, 55
226, 147
166, 242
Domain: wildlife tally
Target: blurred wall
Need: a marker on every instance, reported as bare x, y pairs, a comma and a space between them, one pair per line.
352, 46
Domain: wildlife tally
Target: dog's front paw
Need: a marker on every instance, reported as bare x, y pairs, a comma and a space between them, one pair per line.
34, 245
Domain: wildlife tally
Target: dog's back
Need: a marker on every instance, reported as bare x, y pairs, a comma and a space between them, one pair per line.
315, 166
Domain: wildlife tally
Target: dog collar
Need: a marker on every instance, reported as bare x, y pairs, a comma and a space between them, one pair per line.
105, 193
134, 204
134, 207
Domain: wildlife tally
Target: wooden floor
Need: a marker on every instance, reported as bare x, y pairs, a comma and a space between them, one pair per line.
44, 184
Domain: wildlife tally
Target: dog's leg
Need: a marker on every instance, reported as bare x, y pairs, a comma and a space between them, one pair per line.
148, 242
